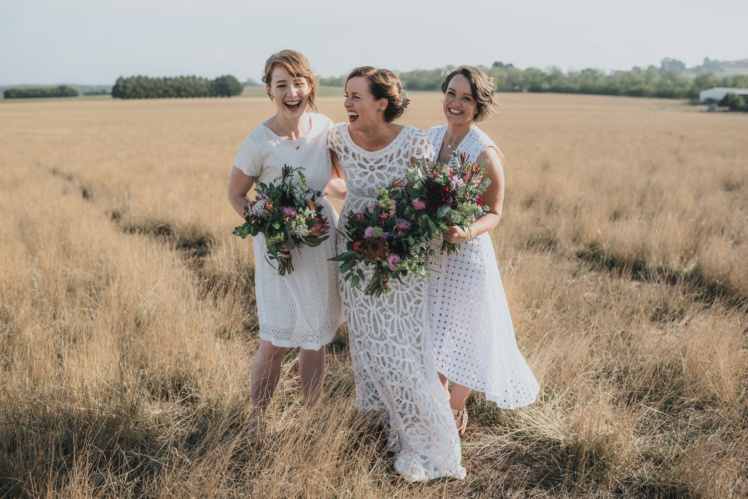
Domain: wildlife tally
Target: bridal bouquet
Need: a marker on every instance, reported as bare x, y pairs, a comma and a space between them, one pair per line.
448, 194
387, 236
288, 215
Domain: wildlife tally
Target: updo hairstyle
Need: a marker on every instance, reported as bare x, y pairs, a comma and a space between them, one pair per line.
481, 86
296, 64
383, 84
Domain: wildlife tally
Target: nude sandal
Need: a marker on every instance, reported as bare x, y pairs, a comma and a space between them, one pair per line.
461, 419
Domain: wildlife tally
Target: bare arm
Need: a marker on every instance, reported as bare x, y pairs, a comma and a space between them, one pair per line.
336, 187
493, 198
239, 186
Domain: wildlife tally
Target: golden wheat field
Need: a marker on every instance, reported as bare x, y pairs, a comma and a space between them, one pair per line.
128, 321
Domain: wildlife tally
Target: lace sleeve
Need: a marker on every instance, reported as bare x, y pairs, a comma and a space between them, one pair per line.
422, 148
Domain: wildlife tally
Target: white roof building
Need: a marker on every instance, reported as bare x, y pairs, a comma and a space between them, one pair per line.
718, 93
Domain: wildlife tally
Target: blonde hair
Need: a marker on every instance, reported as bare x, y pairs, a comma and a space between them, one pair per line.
383, 84
481, 87
296, 64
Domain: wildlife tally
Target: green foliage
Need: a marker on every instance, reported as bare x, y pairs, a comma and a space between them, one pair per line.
226, 86
735, 102
144, 87
39, 92
638, 82
97, 92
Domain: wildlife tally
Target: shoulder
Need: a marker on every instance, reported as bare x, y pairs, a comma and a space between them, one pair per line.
257, 137
486, 147
321, 122
414, 133
337, 136
435, 131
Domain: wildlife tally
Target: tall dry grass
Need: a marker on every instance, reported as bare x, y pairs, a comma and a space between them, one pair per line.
127, 313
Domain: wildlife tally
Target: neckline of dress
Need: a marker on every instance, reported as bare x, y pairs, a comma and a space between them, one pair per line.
348, 134
457, 147
308, 134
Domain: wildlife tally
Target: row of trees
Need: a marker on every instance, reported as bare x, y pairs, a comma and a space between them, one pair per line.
735, 102
144, 87
638, 82
36, 92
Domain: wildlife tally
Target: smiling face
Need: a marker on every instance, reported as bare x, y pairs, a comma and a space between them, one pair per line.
290, 93
459, 104
361, 105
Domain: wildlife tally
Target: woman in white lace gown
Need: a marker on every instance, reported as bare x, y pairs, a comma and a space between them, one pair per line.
301, 309
472, 330
390, 345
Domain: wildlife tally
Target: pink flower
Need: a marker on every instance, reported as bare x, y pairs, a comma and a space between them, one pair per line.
418, 204
289, 211
403, 224
372, 205
368, 232
392, 259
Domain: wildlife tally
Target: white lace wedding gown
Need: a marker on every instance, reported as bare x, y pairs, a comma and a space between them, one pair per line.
472, 330
300, 309
389, 340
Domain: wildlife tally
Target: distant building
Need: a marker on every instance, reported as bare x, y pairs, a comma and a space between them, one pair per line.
716, 94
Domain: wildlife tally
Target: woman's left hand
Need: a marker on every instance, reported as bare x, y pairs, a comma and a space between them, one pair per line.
456, 235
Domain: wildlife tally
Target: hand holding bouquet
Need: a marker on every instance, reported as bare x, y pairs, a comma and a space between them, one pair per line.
448, 194
287, 215
387, 237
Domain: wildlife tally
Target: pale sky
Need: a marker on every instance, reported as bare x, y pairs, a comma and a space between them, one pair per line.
95, 41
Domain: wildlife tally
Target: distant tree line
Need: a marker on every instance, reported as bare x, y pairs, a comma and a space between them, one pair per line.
638, 82
36, 92
144, 87
735, 102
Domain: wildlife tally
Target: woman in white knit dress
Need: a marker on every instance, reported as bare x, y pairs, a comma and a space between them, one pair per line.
390, 345
301, 309
471, 328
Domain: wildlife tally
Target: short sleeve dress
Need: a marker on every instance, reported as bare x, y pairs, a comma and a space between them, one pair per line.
389, 340
472, 330
300, 309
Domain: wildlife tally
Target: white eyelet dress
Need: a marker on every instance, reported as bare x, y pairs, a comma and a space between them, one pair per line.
472, 330
300, 309
390, 345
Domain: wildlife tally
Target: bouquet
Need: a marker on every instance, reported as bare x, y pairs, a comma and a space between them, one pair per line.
388, 236
448, 194
288, 215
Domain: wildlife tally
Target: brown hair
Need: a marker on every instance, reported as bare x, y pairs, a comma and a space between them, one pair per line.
296, 64
383, 84
480, 85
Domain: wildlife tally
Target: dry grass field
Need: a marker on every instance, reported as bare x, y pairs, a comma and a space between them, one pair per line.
128, 322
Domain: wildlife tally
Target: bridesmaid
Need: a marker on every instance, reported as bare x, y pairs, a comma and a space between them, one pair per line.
471, 328
301, 309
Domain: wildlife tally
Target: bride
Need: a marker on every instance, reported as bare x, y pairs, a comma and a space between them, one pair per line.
395, 371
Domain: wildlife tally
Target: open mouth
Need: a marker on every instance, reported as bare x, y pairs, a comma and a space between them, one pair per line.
454, 112
293, 105
352, 116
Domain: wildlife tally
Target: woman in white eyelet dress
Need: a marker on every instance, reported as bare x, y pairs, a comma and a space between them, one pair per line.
472, 330
390, 346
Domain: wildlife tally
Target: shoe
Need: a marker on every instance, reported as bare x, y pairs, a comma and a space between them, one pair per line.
461, 419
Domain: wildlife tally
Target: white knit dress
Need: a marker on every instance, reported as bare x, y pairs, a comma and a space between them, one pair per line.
300, 309
391, 352
471, 328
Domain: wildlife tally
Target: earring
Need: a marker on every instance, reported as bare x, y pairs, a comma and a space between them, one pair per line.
379, 110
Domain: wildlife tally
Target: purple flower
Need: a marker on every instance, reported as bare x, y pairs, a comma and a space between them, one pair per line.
289, 211
392, 259
368, 232
455, 183
418, 204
